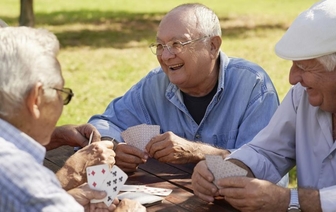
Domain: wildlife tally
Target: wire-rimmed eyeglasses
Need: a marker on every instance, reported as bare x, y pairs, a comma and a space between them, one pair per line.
174, 47
66, 93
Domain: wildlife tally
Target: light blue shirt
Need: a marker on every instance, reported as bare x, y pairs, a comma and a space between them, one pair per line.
25, 184
298, 134
243, 104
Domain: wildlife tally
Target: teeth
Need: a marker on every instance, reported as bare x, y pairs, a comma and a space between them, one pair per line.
175, 66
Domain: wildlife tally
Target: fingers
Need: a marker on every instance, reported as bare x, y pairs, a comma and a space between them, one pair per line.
202, 182
85, 131
128, 157
233, 182
130, 205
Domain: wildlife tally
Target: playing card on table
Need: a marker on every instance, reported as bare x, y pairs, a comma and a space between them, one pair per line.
140, 135
221, 168
147, 189
132, 187
114, 181
144, 199
156, 191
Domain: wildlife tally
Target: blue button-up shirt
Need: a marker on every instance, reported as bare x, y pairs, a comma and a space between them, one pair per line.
244, 102
25, 184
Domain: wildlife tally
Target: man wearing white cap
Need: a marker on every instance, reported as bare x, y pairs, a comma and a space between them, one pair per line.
301, 133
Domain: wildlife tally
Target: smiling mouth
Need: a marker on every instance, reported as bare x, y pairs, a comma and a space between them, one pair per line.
175, 67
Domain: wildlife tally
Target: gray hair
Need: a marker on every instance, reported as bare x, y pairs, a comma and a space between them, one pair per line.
207, 21
27, 56
328, 61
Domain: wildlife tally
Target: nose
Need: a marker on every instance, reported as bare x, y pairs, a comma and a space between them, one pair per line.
295, 74
166, 54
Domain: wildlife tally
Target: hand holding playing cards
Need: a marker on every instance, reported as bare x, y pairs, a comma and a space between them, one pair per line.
83, 194
251, 194
129, 157
170, 148
73, 135
73, 172
202, 182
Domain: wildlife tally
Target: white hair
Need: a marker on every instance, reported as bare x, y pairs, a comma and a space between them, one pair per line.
27, 56
328, 61
207, 21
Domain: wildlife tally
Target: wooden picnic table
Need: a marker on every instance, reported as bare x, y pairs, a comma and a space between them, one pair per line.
156, 174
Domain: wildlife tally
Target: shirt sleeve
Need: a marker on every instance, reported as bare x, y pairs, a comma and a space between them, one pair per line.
271, 154
328, 199
123, 112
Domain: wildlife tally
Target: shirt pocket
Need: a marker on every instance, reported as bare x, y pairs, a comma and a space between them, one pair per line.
227, 140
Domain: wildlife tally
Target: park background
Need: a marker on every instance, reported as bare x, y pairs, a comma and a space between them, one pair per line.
104, 43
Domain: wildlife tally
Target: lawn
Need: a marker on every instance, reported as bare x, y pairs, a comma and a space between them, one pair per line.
104, 44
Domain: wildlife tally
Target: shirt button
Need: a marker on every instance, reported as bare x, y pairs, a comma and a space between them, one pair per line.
330, 157
197, 136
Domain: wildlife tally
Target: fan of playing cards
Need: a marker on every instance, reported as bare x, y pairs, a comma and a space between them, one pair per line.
221, 168
140, 135
100, 177
112, 181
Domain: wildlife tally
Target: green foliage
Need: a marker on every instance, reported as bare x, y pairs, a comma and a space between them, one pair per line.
104, 44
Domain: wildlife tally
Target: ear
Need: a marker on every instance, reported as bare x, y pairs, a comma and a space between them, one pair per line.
216, 42
34, 99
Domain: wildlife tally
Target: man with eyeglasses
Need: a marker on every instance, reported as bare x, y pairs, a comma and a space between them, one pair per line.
204, 101
32, 98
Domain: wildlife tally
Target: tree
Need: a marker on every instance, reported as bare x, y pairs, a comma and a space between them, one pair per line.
27, 17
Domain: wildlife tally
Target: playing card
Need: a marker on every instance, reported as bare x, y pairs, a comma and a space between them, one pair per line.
132, 187
156, 191
96, 175
140, 135
221, 168
114, 181
144, 199
147, 189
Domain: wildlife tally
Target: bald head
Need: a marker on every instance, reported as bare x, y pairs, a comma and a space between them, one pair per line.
197, 18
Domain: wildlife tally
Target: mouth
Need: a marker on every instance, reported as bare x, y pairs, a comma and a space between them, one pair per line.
175, 67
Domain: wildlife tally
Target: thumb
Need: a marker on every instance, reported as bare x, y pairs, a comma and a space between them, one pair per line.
96, 194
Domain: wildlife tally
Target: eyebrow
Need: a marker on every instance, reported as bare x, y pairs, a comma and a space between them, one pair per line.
173, 39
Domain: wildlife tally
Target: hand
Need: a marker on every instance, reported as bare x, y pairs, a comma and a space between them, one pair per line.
73, 173
170, 148
201, 181
73, 135
129, 157
130, 206
251, 194
83, 194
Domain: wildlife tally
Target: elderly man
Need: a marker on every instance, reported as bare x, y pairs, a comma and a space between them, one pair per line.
32, 98
301, 132
204, 101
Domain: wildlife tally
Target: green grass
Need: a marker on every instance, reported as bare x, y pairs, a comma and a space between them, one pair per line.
104, 43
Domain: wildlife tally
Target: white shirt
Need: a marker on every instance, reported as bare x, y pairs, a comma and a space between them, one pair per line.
298, 134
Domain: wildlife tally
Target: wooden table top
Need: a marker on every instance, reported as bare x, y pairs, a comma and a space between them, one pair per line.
156, 174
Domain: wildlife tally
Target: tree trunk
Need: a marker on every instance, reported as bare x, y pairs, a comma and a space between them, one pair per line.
26, 13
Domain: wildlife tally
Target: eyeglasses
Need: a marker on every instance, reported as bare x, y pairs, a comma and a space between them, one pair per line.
67, 94
174, 47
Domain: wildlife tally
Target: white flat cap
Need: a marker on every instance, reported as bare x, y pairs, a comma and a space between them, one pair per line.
311, 35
